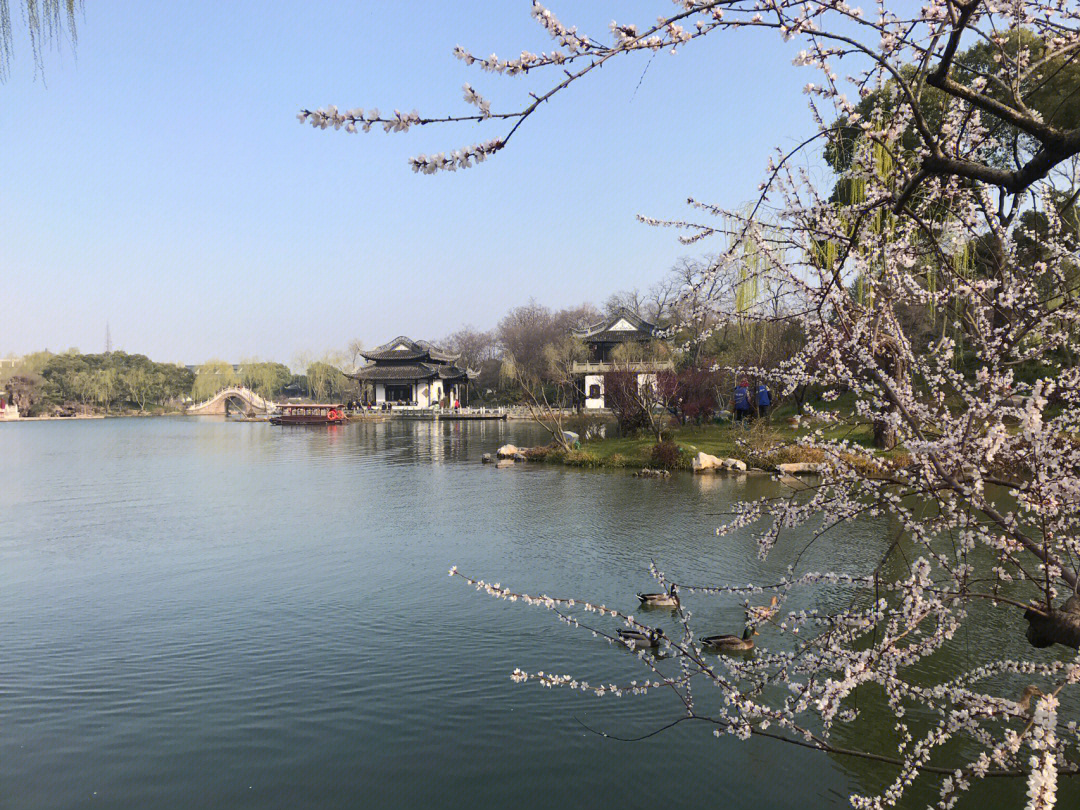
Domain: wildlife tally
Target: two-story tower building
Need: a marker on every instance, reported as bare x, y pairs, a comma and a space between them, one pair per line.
601, 340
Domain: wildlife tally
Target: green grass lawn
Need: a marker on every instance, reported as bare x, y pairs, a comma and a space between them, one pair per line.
747, 441
762, 443
636, 451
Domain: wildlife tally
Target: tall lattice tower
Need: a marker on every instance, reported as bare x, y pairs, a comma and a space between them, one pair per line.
108, 339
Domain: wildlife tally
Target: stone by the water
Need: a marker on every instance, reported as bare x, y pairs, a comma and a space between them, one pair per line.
646, 472
797, 467
703, 462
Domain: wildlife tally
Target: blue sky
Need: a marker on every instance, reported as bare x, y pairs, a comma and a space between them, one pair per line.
158, 179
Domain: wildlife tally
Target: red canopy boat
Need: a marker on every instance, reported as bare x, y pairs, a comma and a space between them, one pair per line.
309, 415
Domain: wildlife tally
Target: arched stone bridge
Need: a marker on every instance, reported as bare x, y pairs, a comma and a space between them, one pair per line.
234, 398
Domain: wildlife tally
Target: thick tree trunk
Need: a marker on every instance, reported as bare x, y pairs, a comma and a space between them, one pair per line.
884, 435
888, 359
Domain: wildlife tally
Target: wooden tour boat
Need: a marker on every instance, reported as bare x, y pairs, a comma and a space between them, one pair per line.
309, 415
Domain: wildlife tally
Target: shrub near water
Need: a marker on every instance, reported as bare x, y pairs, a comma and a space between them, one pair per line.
667, 455
759, 444
539, 453
581, 458
867, 464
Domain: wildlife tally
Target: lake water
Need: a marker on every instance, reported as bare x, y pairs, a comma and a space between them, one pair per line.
196, 613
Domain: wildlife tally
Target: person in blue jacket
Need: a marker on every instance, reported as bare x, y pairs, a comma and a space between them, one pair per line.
742, 400
764, 399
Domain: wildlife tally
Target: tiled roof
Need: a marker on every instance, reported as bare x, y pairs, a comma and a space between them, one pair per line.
606, 331
437, 354
376, 372
381, 372
403, 348
453, 372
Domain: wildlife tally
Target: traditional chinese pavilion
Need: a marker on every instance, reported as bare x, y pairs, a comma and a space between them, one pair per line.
414, 372
601, 340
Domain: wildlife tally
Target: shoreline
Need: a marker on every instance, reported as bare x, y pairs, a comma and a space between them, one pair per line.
52, 418
763, 447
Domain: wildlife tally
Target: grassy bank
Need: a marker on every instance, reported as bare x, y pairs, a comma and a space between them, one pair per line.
762, 444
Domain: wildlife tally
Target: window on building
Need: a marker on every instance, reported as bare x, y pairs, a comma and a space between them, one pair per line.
399, 393
594, 391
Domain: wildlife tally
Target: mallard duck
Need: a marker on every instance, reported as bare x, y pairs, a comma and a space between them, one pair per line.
668, 599
764, 613
1024, 704
640, 638
729, 643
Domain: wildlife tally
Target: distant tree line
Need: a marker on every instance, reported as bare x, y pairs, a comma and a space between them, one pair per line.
323, 378
44, 381
529, 353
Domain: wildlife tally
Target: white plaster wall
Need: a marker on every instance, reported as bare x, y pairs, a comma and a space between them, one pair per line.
645, 379
592, 403
427, 393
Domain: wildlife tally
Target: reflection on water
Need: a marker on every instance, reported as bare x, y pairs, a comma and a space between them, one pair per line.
201, 613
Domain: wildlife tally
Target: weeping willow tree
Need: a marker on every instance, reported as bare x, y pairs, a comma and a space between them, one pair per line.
265, 379
213, 376
45, 21
748, 284
867, 261
325, 379
750, 265
758, 294
880, 164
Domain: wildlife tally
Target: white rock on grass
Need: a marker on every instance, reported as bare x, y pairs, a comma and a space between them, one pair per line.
703, 462
796, 467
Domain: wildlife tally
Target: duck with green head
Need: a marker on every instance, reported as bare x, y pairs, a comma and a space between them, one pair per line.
668, 598
638, 639
730, 643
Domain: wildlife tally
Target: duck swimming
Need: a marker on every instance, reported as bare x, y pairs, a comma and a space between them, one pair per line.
729, 643
640, 638
670, 598
1024, 704
764, 614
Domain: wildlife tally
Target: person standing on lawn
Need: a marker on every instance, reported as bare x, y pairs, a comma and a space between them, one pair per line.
764, 400
742, 400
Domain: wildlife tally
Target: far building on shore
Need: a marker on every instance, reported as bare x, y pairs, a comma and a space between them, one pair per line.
601, 340
9, 411
414, 372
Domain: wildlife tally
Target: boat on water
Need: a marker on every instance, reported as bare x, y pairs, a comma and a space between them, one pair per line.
308, 415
